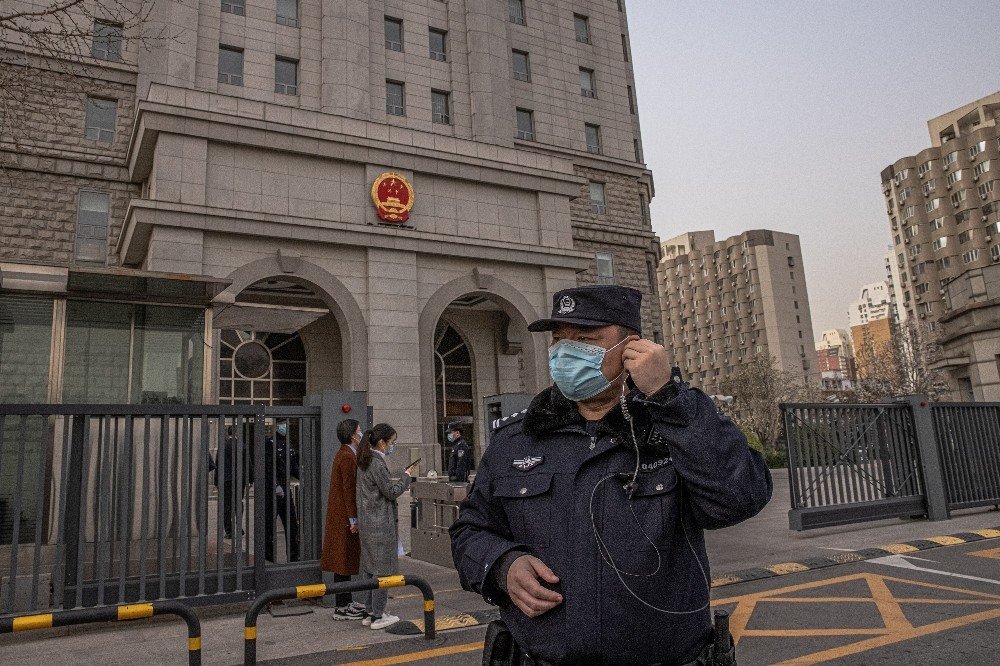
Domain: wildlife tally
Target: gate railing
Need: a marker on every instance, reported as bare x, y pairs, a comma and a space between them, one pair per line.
851, 463
113, 504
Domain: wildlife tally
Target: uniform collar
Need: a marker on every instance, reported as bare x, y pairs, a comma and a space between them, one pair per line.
550, 410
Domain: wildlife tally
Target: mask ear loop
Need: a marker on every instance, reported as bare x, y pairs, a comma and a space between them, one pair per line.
632, 485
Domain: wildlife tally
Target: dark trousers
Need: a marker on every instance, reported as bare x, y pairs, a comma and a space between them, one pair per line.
229, 509
343, 598
277, 506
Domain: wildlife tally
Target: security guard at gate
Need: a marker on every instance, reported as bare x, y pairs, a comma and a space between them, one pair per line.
584, 523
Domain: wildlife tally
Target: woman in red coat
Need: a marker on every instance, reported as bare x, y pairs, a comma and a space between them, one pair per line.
341, 547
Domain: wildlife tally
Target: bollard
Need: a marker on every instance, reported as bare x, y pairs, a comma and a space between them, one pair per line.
321, 590
123, 612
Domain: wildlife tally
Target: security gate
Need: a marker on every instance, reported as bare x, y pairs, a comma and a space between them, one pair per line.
106, 504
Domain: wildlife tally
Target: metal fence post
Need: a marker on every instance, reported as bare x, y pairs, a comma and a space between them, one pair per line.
930, 457
259, 507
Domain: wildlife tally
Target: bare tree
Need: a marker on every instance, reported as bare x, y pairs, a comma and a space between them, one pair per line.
898, 366
48, 49
758, 386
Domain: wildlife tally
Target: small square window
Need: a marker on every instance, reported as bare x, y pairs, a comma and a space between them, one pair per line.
107, 44
438, 45
597, 202
522, 68
582, 25
230, 65
440, 107
99, 123
587, 88
393, 34
516, 8
288, 13
525, 125
286, 76
593, 139
238, 7
395, 98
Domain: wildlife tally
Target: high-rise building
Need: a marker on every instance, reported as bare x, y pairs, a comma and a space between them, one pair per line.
835, 360
322, 194
727, 301
875, 303
942, 206
893, 277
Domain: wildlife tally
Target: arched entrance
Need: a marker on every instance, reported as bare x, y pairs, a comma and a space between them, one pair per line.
453, 385
261, 368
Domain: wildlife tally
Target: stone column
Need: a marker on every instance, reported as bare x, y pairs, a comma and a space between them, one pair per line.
493, 118
346, 58
170, 60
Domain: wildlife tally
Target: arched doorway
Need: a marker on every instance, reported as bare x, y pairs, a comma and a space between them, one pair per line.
261, 368
453, 386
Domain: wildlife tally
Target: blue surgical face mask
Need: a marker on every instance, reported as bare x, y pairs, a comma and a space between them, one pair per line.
390, 450
576, 368
451, 437
282, 429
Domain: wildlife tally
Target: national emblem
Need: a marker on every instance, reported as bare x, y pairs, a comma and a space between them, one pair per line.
393, 197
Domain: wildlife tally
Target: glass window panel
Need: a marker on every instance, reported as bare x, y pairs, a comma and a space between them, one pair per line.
286, 76
168, 355
25, 342
107, 42
521, 66
582, 28
230, 66
593, 138
437, 44
440, 112
234, 7
395, 102
586, 82
393, 34
288, 12
92, 226
99, 123
516, 10
96, 363
525, 125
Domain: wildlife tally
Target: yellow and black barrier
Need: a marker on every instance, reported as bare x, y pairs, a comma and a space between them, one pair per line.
111, 614
321, 590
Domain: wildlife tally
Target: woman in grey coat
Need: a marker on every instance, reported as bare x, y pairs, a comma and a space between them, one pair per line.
378, 518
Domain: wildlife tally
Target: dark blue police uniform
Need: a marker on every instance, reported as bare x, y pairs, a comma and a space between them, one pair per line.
632, 566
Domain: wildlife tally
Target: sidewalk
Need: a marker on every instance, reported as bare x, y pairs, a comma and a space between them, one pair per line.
764, 540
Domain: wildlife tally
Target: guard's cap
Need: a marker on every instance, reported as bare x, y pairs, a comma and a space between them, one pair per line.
594, 306
455, 425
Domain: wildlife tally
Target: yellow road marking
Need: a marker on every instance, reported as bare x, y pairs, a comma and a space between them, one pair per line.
888, 607
725, 580
900, 548
450, 622
991, 552
419, 656
796, 633
989, 534
787, 568
43, 621
947, 540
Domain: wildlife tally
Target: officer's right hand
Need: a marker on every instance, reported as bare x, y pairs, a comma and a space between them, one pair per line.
524, 589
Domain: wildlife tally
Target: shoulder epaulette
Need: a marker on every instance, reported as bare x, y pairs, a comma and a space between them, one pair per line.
507, 420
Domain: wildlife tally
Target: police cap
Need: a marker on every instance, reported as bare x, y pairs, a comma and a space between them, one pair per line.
455, 425
594, 306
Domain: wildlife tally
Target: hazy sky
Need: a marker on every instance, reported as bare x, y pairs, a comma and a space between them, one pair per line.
781, 115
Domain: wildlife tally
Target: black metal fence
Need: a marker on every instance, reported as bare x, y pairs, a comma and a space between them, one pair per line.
103, 505
852, 463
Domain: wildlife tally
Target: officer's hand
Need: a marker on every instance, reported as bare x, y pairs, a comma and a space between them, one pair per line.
648, 365
525, 590
354, 529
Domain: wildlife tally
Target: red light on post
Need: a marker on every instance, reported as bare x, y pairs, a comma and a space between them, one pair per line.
346, 408
923, 404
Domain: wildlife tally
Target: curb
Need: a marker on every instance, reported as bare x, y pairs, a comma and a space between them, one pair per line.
848, 557
476, 618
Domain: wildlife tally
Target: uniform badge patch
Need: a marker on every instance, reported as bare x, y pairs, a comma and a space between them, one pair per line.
527, 462
566, 305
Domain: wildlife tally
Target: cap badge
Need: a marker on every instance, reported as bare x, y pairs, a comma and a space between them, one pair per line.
566, 305
527, 462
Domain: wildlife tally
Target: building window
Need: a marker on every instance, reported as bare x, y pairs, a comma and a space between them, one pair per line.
597, 201
605, 268
439, 49
625, 46
92, 227
651, 277
99, 124
995, 253
923, 168
238, 7
587, 83
928, 187
638, 150
525, 125
230, 65
940, 243
107, 44
980, 169
932, 205
977, 148
963, 217
286, 76
288, 13
986, 188
631, 99
395, 98
964, 237
522, 69
950, 159
393, 34
644, 209
440, 107
958, 198
954, 177
593, 138
582, 25
970, 256
516, 9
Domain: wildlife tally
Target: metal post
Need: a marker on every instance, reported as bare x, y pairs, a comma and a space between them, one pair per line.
259, 511
930, 457
75, 502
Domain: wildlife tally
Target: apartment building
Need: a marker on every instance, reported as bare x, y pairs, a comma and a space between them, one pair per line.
726, 301
835, 360
282, 197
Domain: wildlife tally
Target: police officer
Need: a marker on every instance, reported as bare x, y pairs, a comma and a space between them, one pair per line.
281, 464
460, 461
585, 521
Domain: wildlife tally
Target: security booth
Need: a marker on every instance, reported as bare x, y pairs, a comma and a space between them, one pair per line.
500, 406
433, 509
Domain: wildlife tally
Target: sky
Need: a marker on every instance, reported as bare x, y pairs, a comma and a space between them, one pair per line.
782, 114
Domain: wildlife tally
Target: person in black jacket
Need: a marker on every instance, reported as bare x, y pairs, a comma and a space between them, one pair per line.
281, 464
460, 461
585, 520
236, 472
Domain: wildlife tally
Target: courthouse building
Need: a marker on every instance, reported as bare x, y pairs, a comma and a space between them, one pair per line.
281, 198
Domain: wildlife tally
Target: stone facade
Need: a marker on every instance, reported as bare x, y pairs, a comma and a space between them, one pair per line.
242, 185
